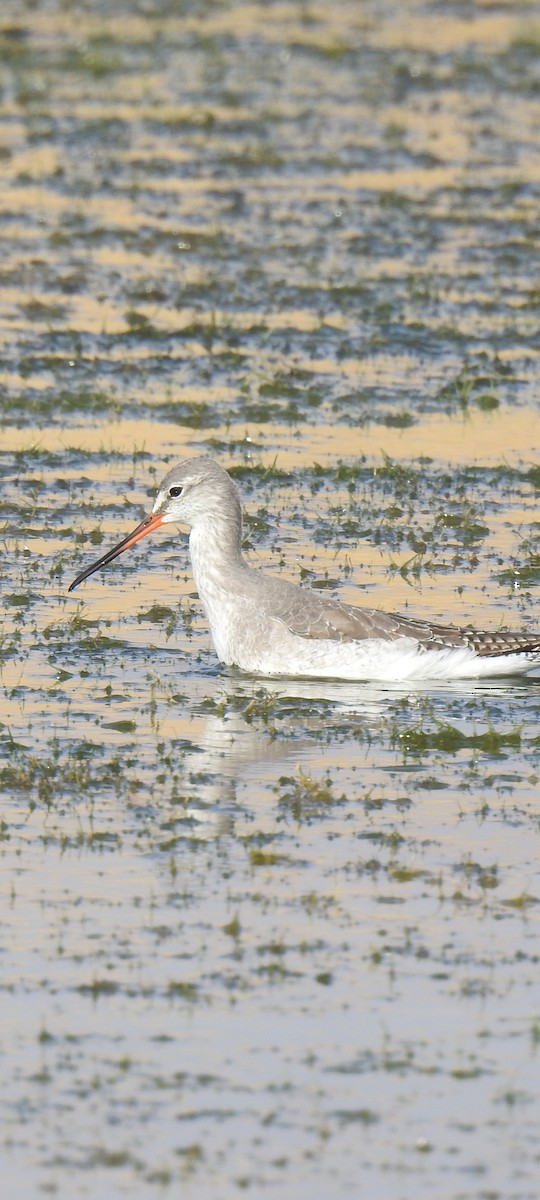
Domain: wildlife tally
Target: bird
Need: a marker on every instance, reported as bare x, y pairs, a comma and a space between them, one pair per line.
271, 627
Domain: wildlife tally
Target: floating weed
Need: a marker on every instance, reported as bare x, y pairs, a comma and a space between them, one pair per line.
467, 1072
533, 476
123, 726
404, 478
399, 420
195, 414
305, 798
58, 773
233, 928
466, 524
261, 707
356, 1116
275, 948
98, 988
486, 877
191, 1157
371, 802
19, 599
411, 569
28, 406
9, 645
141, 326
272, 712
41, 779
521, 902
182, 989
393, 840
159, 613
257, 474
513, 1097
526, 575
265, 858
487, 402
277, 972
451, 740
466, 388
406, 874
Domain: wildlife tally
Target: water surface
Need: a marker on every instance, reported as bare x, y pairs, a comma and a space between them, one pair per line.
267, 937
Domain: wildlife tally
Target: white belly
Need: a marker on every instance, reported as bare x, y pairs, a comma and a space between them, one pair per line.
245, 639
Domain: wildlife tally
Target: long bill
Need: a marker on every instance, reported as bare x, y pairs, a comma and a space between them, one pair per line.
151, 522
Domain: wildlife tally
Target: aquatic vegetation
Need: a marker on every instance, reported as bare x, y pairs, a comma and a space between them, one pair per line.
289, 930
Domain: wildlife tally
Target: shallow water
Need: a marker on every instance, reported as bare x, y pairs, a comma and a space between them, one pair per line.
267, 937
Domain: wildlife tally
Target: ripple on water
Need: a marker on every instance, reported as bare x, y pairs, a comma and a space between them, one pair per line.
288, 928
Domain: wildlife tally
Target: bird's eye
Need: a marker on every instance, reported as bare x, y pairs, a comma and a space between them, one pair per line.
175, 491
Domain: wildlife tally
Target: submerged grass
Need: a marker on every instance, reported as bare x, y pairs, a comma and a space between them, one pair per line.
53, 776
236, 905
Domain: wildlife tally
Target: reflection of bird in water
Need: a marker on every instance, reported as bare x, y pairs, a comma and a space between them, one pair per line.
270, 627
245, 728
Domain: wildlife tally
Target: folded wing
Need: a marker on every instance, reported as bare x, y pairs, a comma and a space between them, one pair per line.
312, 617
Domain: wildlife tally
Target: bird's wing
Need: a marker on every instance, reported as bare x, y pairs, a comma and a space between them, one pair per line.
329, 620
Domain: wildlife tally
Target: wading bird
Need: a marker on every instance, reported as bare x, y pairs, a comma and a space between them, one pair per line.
270, 627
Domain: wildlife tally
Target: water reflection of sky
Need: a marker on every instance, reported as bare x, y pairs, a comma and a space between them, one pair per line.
267, 936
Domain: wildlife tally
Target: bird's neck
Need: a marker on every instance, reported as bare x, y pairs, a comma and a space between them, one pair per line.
215, 547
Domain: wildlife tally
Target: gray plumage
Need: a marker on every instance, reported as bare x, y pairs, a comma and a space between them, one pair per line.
267, 625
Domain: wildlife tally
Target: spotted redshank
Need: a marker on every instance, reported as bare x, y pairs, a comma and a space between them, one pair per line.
270, 627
